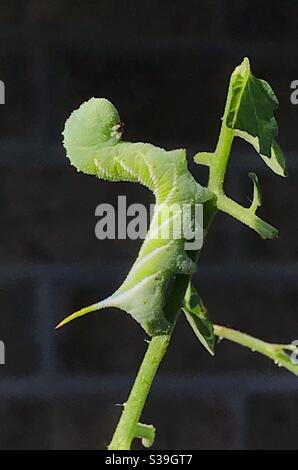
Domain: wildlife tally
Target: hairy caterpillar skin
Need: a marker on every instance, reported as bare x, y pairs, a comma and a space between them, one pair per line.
92, 141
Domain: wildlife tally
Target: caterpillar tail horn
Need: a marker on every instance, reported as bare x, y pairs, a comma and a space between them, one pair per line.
81, 312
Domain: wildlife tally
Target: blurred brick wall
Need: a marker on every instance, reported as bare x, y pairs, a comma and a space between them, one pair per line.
166, 66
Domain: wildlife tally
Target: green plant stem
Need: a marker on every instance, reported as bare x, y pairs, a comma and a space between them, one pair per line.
219, 162
247, 216
274, 351
127, 428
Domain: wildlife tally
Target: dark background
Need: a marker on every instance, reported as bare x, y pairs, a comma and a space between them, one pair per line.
166, 66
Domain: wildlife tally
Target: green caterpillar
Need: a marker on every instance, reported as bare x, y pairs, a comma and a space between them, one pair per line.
92, 139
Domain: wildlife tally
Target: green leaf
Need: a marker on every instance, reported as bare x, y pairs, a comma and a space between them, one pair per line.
276, 162
197, 316
251, 115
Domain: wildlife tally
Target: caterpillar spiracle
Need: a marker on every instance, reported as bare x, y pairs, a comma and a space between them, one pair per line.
92, 139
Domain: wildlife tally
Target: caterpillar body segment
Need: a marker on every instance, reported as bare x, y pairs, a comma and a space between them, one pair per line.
92, 141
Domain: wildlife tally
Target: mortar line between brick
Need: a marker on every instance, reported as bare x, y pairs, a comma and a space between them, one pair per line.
86, 273
44, 293
238, 405
236, 386
44, 89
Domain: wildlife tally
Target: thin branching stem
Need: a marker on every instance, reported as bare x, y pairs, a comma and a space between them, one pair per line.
127, 428
276, 352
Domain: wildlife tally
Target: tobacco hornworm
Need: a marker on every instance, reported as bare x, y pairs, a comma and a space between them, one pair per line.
92, 139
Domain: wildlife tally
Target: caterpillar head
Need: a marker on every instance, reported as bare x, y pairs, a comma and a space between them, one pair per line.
96, 123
